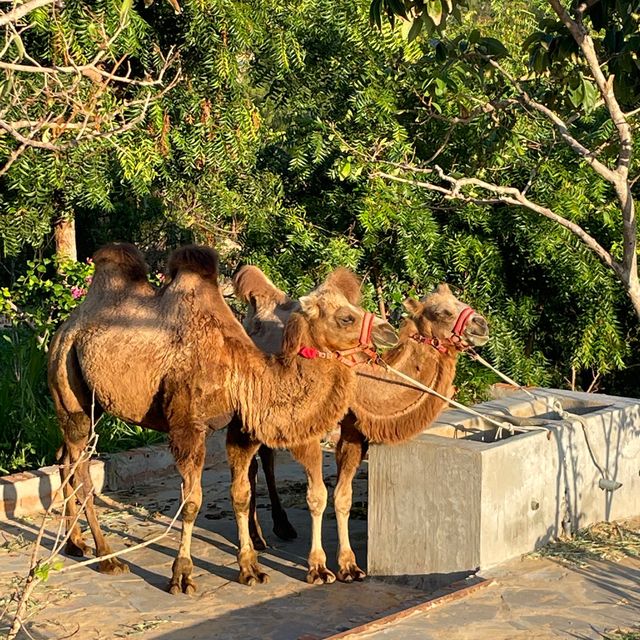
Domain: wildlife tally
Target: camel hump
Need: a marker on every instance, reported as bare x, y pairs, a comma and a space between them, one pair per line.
195, 258
251, 285
123, 256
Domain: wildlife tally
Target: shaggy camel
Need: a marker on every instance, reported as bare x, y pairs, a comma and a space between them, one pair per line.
384, 410
178, 361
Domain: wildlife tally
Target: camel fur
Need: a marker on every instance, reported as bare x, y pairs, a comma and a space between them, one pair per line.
385, 409
177, 360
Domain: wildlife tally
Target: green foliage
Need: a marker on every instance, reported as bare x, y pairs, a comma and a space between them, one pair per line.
264, 149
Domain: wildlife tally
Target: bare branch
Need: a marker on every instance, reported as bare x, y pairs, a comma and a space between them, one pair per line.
621, 182
506, 195
22, 10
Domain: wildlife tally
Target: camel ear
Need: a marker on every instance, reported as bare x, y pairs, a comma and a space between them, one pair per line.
413, 306
309, 306
294, 333
347, 283
443, 289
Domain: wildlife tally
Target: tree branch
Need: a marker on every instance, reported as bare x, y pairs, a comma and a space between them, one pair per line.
621, 181
22, 10
591, 159
506, 195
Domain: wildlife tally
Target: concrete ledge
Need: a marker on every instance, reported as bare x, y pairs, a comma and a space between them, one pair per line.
29, 492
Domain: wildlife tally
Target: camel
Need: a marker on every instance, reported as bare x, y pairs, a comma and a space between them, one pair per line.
178, 361
384, 409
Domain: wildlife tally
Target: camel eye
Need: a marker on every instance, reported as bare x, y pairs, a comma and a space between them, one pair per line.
445, 314
347, 320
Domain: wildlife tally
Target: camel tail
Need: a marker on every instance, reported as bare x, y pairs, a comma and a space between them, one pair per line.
122, 256
194, 258
253, 287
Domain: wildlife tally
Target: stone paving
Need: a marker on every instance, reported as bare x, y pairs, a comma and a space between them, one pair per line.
531, 598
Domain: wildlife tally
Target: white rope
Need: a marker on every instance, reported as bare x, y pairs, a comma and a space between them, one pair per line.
500, 425
554, 404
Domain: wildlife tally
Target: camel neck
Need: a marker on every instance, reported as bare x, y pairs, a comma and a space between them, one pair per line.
389, 409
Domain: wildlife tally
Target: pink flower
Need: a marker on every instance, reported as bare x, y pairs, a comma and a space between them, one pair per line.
89, 279
77, 292
89, 260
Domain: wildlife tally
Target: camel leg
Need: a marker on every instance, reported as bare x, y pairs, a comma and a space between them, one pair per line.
240, 452
281, 525
310, 456
255, 531
112, 565
349, 453
188, 447
76, 427
75, 545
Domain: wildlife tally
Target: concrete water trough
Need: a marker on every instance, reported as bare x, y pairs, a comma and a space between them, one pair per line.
455, 499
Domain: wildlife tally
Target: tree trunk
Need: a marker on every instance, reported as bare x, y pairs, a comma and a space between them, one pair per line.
64, 230
633, 291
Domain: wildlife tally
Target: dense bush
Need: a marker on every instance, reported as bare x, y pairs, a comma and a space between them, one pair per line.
264, 149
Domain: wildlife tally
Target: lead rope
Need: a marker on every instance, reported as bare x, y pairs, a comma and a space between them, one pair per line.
423, 387
554, 404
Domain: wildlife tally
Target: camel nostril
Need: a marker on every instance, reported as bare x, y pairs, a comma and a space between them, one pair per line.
480, 322
384, 335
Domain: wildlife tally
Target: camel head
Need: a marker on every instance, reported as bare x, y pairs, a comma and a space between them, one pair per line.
329, 320
442, 316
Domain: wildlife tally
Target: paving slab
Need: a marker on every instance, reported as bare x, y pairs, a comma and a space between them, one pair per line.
532, 598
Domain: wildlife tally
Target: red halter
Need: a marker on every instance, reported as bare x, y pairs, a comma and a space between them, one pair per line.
456, 340
345, 355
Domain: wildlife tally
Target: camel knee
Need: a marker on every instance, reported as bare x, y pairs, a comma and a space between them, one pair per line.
342, 501
241, 498
190, 511
317, 500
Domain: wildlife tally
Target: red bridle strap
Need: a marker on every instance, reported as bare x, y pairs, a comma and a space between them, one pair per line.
456, 340
463, 319
344, 355
366, 329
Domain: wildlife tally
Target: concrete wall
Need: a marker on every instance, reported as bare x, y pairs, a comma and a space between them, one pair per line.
442, 504
29, 492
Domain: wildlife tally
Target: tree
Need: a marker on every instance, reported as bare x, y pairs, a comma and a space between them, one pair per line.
561, 82
75, 79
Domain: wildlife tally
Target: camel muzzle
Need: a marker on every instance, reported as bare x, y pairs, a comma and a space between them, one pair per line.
384, 335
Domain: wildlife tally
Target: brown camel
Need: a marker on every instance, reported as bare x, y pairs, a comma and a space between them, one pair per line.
385, 409
178, 361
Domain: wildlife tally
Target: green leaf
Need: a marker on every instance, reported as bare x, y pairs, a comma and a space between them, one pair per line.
375, 14
493, 47
415, 29
397, 7
345, 169
125, 7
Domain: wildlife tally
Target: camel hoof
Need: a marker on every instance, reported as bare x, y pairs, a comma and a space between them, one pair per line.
76, 549
113, 567
252, 576
183, 584
320, 575
284, 529
351, 573
181, 581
